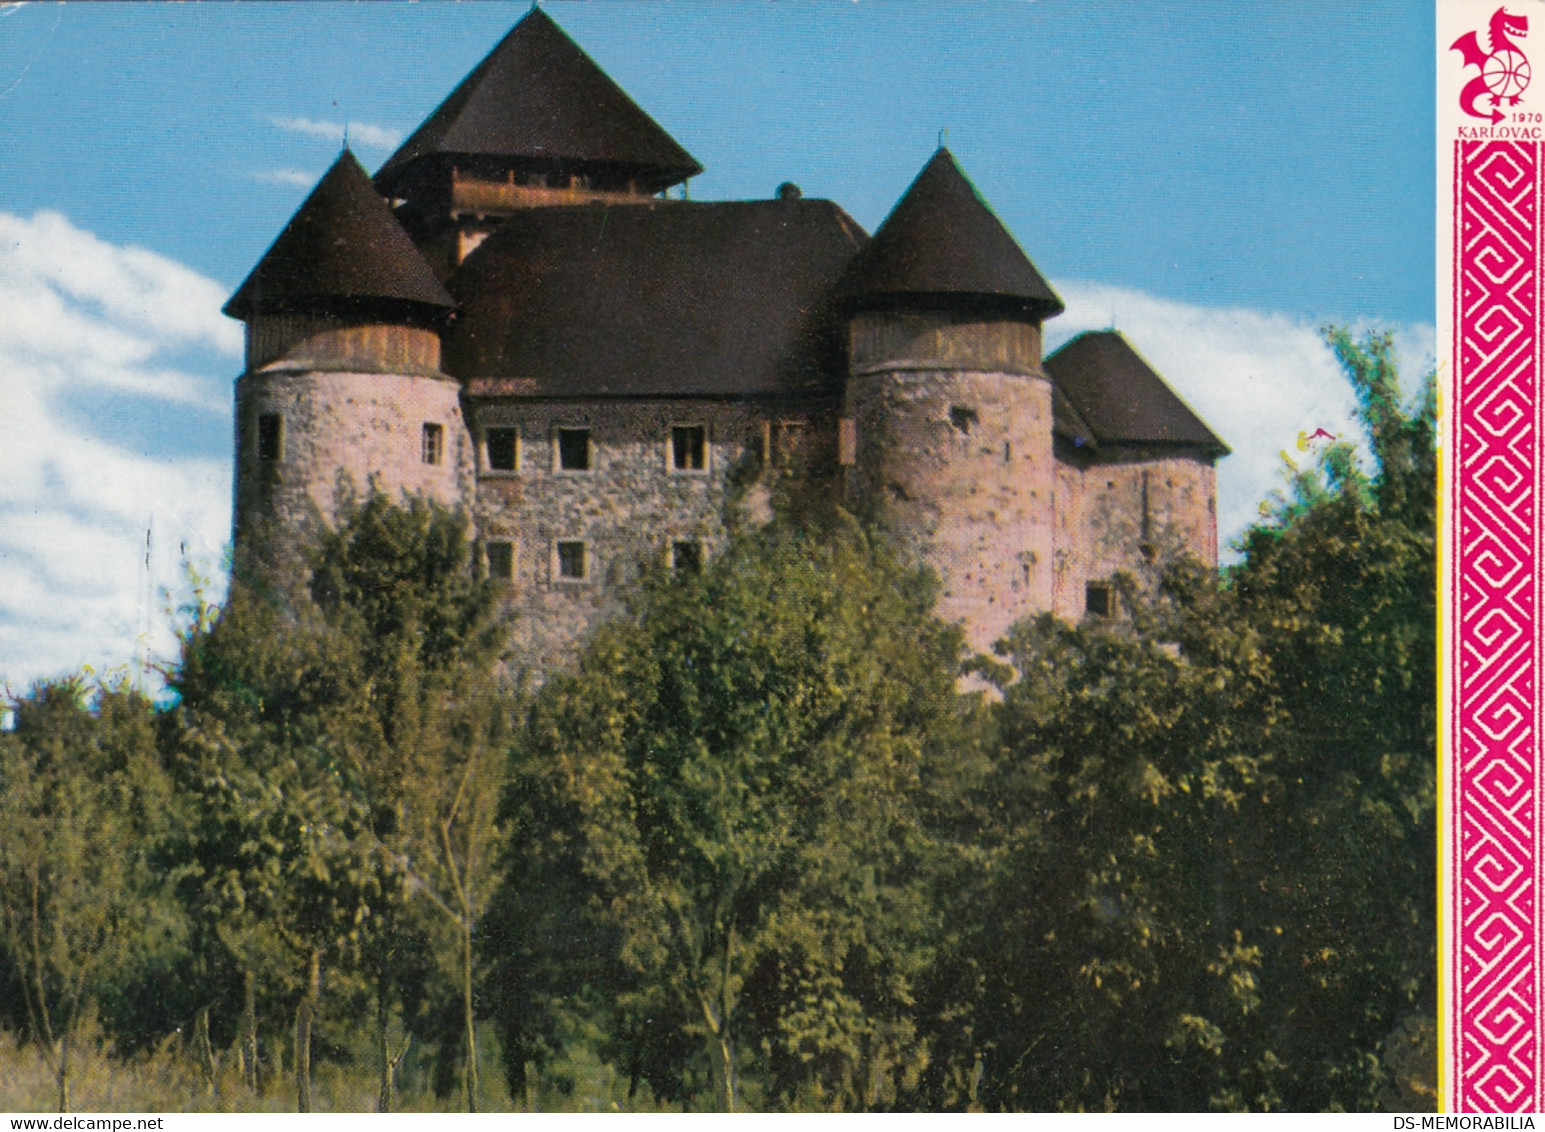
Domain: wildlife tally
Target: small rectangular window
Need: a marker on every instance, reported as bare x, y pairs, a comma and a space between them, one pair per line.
270, 437
574, 449
571, 561
501, 561
1097, 600
687, 556
790, 441
434, 443
689, 448
499, 445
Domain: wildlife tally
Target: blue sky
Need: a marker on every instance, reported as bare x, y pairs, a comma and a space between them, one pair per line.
1217, 179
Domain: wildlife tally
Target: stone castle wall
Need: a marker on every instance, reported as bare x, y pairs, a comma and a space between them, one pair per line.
1128, 509
958, 466
952, 415
629, 508
368, 427
956, 459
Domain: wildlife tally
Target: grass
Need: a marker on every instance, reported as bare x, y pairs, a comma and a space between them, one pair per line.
169, 1079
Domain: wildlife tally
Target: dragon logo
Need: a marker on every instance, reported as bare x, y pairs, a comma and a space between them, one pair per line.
1504, 70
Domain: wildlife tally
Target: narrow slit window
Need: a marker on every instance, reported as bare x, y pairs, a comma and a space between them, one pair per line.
270, 436
499, 445
689, 448
501, 561
572, 562
574, 449
687, 556
434, 443
1097, 600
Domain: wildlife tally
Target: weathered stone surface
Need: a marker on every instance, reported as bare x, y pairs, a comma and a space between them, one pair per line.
959, 466
957, 461
368, 427
628, 508
1129, 510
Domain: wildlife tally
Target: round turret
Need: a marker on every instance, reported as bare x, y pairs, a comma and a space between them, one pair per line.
951, 410
343, 366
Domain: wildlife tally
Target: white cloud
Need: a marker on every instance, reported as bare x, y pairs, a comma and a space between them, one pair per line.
1256, 378
358, 133
132, 287
84, 319
296, 177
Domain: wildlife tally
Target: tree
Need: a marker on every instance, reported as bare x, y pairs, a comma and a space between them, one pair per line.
1212, 869
397, 581
337, 739
1345, 581
274, 860
82, 798
732, 789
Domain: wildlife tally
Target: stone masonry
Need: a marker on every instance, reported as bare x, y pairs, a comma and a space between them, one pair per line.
515, 318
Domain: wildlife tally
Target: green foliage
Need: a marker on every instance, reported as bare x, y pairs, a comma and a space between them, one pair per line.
759, 849
340, 760
86, 921
1212, 874
732, 797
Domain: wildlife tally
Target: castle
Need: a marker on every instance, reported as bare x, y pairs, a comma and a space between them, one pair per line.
515, 317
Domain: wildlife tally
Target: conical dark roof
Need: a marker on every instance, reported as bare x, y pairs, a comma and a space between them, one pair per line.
538, 99
1121, 399
343, 250
943, 243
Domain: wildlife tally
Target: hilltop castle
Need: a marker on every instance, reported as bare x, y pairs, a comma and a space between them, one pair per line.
514, 317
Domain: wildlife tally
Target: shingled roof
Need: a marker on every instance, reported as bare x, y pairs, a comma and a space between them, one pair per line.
343, 251
538, 101
943, 243
1119, 397
668, 298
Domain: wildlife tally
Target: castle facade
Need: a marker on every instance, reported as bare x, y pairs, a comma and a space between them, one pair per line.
514, 317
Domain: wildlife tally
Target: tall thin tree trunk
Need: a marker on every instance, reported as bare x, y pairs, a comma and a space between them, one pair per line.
64, 1072
249, 1042
468, 1015
384, 1065
721, 1057
205, 1049
305, 1015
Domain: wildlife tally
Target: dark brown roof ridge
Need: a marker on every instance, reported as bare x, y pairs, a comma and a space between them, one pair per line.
943, 243
670, 298
538, 98
1121, 396
343, 250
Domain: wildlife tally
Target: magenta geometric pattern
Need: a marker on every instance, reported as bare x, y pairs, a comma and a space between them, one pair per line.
1494, 803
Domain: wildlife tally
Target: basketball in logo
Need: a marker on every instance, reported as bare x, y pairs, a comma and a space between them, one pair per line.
1507, 74
1504, 72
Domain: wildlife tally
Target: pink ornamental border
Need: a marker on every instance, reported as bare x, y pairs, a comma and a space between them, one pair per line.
1494, 922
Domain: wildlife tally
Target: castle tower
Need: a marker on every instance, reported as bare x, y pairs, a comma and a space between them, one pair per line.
536, 123
1136, 475
342, 367
949, 409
